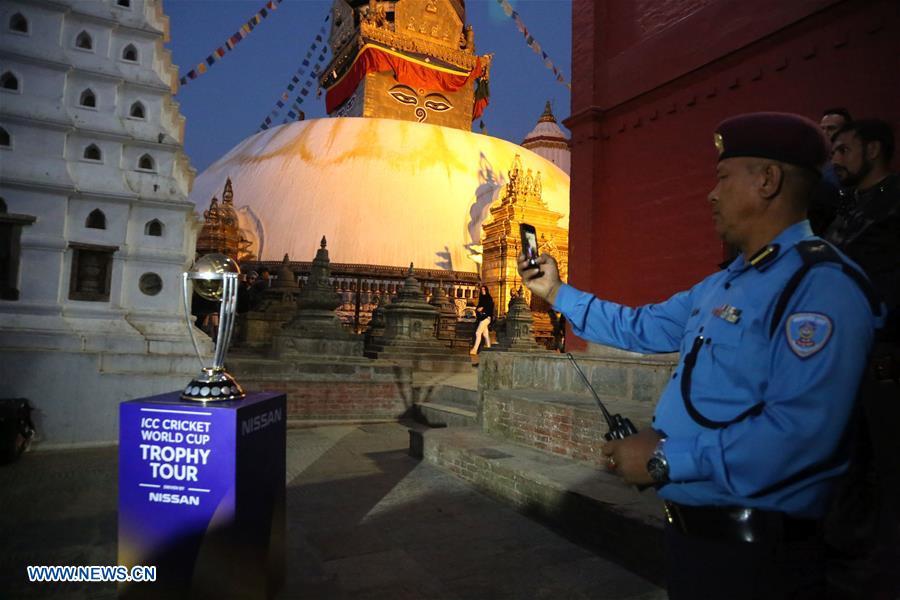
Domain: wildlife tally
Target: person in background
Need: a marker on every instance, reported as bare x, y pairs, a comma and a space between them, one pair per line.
864, 524
484, 312
264, 280
832, 120
245, 292
746, 442
829, 198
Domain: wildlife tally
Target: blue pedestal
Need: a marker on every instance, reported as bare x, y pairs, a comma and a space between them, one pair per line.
202, 496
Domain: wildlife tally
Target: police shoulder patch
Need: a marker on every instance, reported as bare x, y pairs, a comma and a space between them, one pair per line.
807, 332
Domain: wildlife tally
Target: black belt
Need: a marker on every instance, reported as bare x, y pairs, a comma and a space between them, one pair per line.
738, 524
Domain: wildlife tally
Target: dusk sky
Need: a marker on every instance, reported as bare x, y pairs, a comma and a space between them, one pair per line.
228, 102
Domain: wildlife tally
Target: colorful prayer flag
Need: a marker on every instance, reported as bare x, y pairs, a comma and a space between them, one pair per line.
529, 39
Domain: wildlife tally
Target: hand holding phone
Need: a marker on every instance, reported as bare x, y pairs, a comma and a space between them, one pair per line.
529, 244
540, 274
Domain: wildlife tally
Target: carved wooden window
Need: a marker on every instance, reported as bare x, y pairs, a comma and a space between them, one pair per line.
5, 140
88, 98
96, 220
130, 53
84, 41
154, 228
18, 23
91, 272
137, 111
92, 152
146, 162
10, 245
8, 81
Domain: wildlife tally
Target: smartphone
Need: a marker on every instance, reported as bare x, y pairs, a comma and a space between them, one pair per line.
529, 244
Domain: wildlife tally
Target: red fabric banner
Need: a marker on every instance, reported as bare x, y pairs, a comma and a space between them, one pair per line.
407, 72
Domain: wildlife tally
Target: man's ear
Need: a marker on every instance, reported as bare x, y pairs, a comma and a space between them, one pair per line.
872, 150
772, 179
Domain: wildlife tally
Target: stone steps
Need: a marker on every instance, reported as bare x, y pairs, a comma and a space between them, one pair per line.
447, 394
449, 400
566, 424
399, 350
149, 364
443, 362
444, 415
590, 505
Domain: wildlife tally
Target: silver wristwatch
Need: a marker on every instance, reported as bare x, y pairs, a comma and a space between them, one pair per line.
658, 466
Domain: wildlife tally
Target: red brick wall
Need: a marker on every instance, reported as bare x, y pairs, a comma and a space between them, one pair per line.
334, 400
561, 429
649, 86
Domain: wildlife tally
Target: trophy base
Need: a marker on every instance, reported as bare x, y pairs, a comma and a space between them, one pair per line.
213, 385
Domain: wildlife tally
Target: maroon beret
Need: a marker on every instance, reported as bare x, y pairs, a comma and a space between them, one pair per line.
783, 137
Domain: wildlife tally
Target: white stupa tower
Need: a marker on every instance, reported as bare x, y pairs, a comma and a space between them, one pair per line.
95, 224
547, 139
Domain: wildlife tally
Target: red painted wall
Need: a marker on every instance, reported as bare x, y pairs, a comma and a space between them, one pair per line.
652, 78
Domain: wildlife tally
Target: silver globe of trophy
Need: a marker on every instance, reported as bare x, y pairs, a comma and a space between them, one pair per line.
214, 277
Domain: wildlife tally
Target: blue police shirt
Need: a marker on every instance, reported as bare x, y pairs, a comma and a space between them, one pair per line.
787, 456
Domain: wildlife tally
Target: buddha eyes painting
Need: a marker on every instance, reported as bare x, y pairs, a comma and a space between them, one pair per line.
432, 102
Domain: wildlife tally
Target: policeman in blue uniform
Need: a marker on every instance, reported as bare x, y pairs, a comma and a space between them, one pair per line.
748, 437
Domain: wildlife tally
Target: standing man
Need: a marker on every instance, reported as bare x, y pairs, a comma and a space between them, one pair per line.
747, 437
865, 525
829, 199
833, 119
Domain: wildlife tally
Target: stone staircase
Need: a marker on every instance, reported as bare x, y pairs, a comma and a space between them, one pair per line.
447, 399
439, 359
533, 440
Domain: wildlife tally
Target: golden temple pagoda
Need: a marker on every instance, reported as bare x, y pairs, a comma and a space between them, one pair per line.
221, 232
412, 60
521, 202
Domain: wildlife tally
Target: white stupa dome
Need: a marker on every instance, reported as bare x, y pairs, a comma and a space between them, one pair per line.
383, 191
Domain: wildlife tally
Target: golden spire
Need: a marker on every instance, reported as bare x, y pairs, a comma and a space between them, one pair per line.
228, 193
547, 117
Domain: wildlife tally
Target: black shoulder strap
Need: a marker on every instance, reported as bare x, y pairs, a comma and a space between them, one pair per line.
817, 252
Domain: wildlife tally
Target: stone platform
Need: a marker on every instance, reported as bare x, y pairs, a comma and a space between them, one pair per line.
330, 388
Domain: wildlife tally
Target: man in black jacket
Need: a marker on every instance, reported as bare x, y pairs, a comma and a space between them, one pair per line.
869, 233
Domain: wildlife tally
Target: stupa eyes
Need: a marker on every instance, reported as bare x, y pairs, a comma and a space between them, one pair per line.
434, 102
437, 103
404, 95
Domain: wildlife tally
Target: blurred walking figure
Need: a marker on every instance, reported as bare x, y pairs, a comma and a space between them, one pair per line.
484, 312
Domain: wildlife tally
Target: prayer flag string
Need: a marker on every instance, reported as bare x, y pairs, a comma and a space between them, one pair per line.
230, 43
314, 57
532, 43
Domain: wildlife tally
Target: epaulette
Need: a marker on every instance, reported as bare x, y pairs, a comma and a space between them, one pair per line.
815, 252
